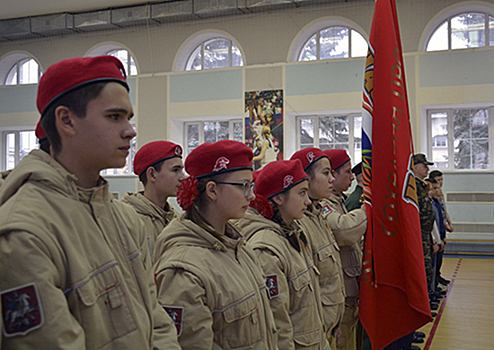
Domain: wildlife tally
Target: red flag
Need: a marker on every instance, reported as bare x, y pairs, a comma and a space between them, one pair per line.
393, 293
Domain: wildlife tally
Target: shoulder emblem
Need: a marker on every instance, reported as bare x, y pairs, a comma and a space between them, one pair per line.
176, 314
272, 284
326, 209
21, 310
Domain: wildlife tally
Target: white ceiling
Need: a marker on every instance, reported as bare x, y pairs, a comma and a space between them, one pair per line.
23, 8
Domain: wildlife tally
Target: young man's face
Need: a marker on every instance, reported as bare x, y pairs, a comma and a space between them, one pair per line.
439, 180
103, 136
170, 176
343, 178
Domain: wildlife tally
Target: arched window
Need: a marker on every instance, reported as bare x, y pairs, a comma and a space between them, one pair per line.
333, 42
218, 52
119, 52
463, 31
19, 69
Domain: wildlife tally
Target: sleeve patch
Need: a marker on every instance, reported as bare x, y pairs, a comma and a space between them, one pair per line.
326, 209
21, 310
176, 314
272, 284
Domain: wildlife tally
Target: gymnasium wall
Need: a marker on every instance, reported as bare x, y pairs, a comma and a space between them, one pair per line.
165, 98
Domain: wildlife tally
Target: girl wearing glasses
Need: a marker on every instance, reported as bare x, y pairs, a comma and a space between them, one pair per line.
285, 254
209, 282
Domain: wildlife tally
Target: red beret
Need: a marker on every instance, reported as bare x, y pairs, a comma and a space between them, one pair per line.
338, 157
279, 176
308, 156
254, 175
217, 158
70, 74
39, 132
154, 152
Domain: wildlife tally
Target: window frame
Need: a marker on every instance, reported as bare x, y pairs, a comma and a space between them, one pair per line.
189, 61
452, 14
351, 127
4, 149
230, 119
14, 61
130, 59
449, 111
318, 44
190, 45
103, 49
316, 26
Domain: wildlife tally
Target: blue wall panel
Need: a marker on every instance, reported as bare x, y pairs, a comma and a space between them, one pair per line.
462, 67
22, 98
206, 86
325, 77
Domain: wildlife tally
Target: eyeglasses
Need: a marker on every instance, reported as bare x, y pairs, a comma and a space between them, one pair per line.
248, 186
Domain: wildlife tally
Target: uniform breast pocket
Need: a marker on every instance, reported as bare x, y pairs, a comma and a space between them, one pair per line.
241, 325
328, 264
304, 312
301, 294
103, 309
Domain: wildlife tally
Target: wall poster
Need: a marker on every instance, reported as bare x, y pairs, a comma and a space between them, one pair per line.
264, 125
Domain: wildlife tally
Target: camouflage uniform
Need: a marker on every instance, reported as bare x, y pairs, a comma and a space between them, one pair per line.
426, 224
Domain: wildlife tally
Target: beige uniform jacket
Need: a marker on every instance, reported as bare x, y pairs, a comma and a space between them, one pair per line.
326, 254
348, 228
214, 288
292, 281
74, 267
154, 217
3, 176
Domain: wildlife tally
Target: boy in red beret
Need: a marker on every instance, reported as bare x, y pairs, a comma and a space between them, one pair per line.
324, 247
160, 169
348, 228
74, 269
209, 281
286, 255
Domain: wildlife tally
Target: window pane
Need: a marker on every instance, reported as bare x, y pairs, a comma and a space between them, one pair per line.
192, 136
12, 76
133, 67
309, 52
127, 60
439, 138
194, 62
238, 132
471, 137
216, 53
223, 130
491, 31
341, 129
439, 40
480, 151
306, 132
326, 132
237, 60
334, 42
28, 72
210, 132
10, 145
357, 140
468, 30
27, 142
359, 45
